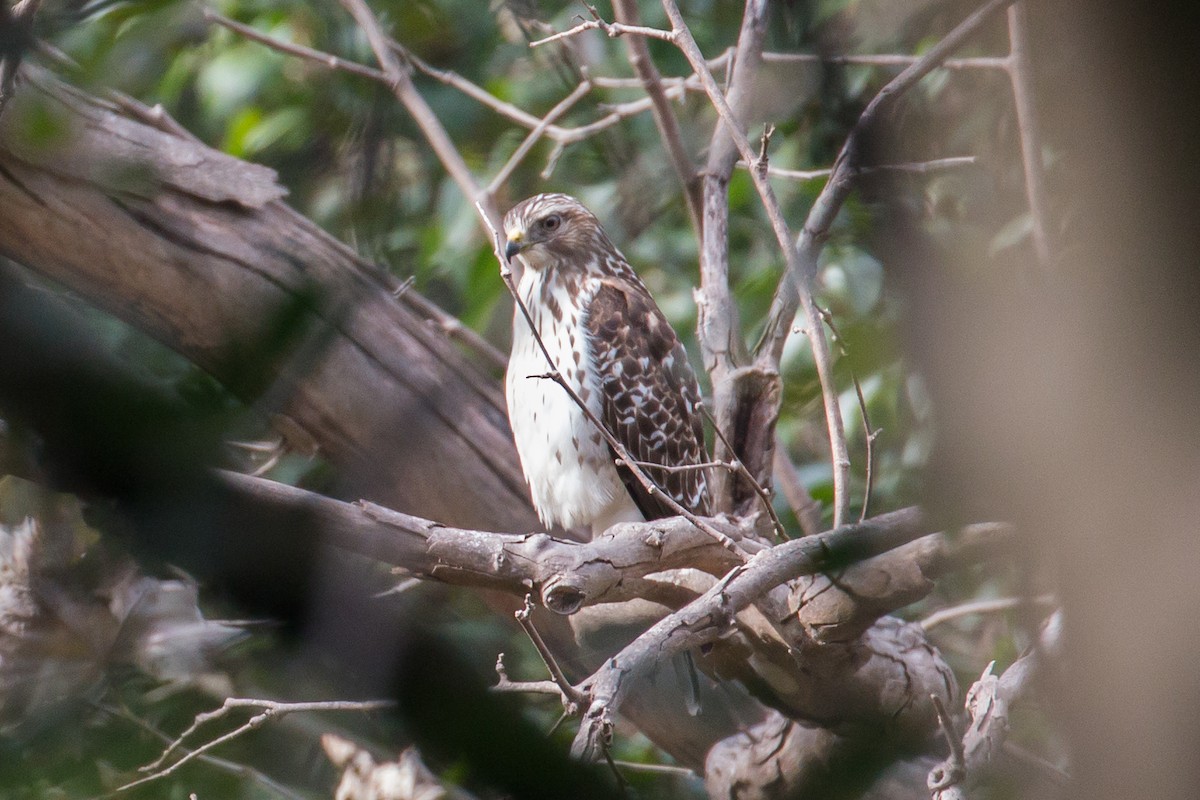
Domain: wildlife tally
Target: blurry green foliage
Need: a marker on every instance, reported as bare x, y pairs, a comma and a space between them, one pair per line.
354, 162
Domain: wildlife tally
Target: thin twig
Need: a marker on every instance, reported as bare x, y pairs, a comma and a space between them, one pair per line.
622, 785
403, 587
885, 60
400, 82
869, 434
737, 465
451, 326
225, 765
917, 167
661, 769
1053, 771
803, 258
626, 11
845, 168
952, 770
1020, 72
612, 29
787, 478
270, 710
574, 697
506, 684
309, 54
534, 135
943, 615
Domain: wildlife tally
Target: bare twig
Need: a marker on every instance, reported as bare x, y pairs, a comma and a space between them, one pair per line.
845, 168
661, 769
400, 82
884, 60
944, 615
270, 710
626, 11
736, 465
869, 434
534, 135
988, 703
952, 770
1020, 72
230, 767
573, 696
612, 29
787, 478
309, 54
1051, 770
506, 684
917, 167
796, 286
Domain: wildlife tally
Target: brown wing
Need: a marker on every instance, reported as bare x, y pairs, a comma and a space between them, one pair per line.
649, 393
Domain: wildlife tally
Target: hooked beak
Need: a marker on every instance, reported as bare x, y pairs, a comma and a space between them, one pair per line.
514, 246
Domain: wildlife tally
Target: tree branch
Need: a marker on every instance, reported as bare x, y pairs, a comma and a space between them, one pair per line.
626, 11
400, 81
846, 167
612, 29
203, 255
988, 703
814, 329
270, 710
1020, 72
711, 615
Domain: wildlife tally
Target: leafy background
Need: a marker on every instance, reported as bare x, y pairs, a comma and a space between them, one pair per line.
353, 162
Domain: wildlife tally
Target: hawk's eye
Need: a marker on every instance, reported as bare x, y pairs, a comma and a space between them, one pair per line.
552, 222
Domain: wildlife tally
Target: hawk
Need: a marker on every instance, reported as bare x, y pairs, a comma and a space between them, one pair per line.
613, 346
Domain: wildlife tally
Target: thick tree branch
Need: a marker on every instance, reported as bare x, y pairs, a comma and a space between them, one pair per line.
712, 615
565, 576
199, 252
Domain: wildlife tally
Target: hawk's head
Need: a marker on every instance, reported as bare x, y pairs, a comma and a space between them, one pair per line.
549, 229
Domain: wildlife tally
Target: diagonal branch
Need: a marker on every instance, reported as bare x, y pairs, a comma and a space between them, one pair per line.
846, 167
706, 619
626, 11
399, 80
717, 325
269, 710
